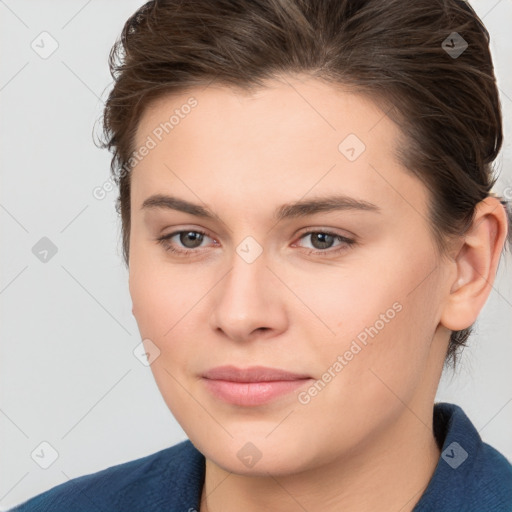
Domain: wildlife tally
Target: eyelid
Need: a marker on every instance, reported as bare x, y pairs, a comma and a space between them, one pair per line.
330, 231
176, 231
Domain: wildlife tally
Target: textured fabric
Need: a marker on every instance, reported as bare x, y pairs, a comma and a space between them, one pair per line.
471, 476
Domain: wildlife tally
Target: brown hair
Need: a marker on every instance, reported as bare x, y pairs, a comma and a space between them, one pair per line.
395, 52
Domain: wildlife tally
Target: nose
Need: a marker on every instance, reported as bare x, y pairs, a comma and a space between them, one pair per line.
249, 302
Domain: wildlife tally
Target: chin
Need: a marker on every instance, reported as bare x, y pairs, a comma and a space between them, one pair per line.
258, 457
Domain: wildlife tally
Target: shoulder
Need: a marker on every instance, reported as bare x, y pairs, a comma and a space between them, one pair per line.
492, 477
471, 475
171, 477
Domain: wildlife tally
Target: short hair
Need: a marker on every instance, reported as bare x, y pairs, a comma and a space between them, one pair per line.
410, 58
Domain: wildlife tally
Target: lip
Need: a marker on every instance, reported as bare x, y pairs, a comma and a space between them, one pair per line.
252, 386
251, 374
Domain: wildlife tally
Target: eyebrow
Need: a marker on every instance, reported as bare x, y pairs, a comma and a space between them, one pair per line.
286, 211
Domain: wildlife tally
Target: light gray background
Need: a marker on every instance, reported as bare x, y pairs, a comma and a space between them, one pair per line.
68, 373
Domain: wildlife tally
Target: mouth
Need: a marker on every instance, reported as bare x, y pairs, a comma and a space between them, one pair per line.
252, 386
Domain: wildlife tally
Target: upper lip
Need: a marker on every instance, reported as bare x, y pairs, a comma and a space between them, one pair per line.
251, 374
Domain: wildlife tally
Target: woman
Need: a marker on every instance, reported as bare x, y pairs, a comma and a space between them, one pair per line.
310, 232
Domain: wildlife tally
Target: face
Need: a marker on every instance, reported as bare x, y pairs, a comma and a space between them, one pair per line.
343, 292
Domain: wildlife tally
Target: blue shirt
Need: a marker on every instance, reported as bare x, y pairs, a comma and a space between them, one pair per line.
471, 476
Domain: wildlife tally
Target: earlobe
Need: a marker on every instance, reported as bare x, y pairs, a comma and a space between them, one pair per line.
476, 265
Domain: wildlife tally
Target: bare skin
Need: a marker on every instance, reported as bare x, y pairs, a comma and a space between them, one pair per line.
364, 441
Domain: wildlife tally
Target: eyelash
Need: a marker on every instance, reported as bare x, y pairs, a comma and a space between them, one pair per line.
164, 241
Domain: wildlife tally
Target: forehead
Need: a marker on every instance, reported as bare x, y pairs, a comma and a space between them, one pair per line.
293, 135
299, 105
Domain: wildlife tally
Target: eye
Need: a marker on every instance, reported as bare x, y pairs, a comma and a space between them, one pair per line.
191, 240
322, 240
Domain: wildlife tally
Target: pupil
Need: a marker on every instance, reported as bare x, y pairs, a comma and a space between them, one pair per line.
194, 236
321, 239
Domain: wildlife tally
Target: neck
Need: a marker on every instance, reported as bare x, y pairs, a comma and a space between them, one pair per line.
389, 472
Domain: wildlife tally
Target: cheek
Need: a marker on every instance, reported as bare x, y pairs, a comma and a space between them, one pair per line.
160, 311
149, 299
156, 290
153, 307
345, 301
381, 322
168, 309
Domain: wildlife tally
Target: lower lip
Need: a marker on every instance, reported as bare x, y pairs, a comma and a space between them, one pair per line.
252, 393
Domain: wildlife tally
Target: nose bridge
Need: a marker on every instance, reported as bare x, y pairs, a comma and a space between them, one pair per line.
242, 302
248, 271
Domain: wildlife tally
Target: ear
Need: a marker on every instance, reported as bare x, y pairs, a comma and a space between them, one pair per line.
476, 265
